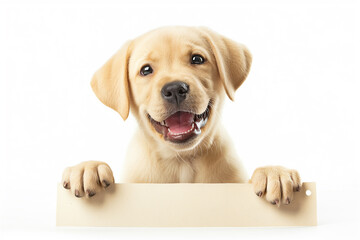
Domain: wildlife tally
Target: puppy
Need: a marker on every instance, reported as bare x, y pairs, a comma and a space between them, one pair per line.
175, 80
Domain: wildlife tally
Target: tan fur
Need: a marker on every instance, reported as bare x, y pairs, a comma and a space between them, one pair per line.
210, 157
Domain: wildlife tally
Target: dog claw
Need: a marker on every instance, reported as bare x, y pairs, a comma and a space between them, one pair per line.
259, 194
77, 193
105, 183
66, 185
90, 193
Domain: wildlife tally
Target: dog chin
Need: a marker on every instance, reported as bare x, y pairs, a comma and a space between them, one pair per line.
182, 130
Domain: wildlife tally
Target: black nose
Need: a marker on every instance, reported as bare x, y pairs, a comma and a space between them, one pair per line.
175, 92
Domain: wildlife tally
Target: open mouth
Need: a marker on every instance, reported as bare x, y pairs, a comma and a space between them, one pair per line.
181, 126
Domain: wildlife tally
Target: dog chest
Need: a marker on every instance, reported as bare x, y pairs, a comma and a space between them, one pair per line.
186, 173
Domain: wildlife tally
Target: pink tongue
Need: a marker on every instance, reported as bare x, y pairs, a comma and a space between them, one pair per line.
180, 122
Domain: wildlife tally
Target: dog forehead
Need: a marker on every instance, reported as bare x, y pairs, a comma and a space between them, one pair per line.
168, 40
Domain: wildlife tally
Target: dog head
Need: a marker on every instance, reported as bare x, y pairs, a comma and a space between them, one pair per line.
174, 80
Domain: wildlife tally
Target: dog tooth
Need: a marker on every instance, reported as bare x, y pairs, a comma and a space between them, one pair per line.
199, 123
205, 121
197, 131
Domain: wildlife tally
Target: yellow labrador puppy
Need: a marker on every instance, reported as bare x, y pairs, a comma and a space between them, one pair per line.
174, 80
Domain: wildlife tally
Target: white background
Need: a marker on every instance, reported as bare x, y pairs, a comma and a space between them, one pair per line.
299, 106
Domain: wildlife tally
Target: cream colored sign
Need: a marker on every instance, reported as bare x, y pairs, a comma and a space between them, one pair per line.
184, 205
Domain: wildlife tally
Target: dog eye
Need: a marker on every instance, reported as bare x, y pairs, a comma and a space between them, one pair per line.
197, 59
146, 70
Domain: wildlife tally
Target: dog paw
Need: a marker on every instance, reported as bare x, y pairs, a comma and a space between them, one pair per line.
87, 178
277, 184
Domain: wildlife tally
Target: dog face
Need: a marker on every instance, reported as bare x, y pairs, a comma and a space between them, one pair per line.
174, 79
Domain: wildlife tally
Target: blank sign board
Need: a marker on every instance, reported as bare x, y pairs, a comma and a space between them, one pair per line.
184, 205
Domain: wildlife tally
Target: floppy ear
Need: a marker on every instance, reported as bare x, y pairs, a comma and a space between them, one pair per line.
111, 82
233, 60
